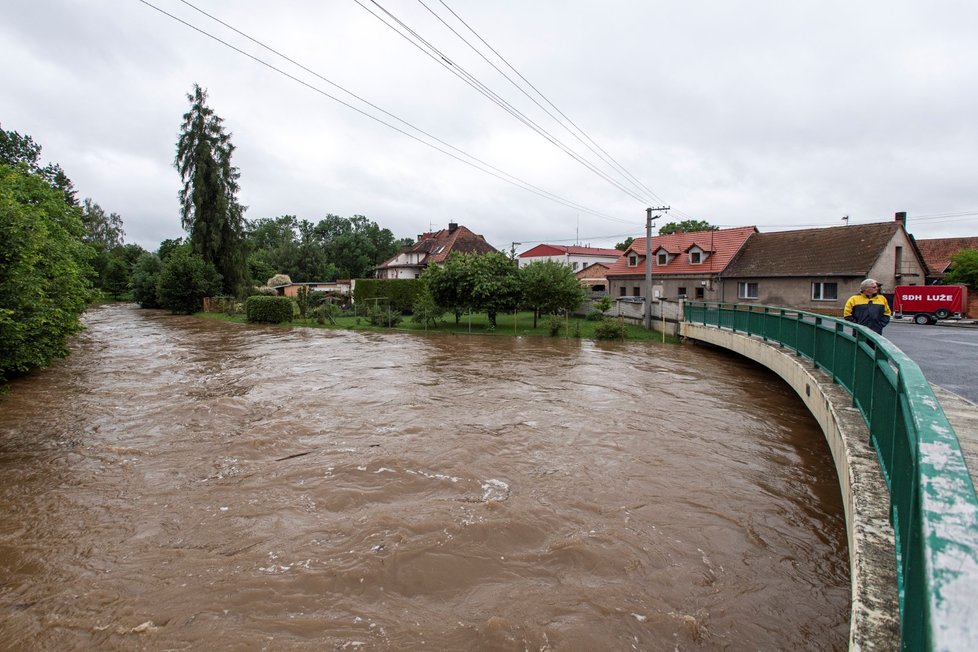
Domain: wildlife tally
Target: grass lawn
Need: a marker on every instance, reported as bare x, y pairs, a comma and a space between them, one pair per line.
519, 324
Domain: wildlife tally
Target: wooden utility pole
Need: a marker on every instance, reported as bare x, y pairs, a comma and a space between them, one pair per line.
648, 262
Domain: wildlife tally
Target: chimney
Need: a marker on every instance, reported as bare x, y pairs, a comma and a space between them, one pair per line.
901, 217
452, 227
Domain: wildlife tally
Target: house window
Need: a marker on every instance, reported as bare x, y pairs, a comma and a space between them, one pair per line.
622, 290
682, 292
825, 291
632, 259
636, 291
663, 259
574, 266
700, 294
695, 257
747, 290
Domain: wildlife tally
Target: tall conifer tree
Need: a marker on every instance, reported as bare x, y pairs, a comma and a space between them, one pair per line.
209, 208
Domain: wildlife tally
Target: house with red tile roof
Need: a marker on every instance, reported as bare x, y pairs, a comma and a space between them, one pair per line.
433, 249
684, 265
575, 257
938, 252
594, 278
819, 269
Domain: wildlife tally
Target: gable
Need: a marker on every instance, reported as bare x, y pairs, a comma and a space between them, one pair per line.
543, 250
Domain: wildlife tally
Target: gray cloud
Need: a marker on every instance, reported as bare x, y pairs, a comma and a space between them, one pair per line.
775, 114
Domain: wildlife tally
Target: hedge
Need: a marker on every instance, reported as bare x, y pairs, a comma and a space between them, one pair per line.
399, 293
268, 310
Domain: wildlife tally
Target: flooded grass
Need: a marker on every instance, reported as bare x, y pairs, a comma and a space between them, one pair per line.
519, 324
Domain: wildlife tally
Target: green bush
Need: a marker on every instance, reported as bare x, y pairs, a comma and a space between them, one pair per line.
425, 310
268, 310
594, 315
554, 325
383, 316
609, 329
325, 312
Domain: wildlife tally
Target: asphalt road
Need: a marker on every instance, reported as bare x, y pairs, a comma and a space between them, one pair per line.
948, 355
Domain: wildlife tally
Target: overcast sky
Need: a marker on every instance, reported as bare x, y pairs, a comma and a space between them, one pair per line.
775, 114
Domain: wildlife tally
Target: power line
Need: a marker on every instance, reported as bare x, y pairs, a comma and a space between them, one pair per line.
443, 60
587, 238
589, 142
485, 167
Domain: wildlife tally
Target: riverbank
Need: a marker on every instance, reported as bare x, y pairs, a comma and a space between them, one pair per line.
518, 324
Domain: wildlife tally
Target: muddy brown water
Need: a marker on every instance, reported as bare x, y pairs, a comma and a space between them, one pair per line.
182, 484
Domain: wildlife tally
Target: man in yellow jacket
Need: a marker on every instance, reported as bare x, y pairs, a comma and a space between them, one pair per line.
868, 308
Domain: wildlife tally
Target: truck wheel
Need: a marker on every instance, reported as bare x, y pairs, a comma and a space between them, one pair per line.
942, 313
921, 319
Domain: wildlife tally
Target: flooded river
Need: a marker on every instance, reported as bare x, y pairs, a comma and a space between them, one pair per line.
182, 484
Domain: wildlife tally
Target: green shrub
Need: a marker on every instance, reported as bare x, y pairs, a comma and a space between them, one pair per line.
383, 316
425, 310
325, 312
268, 310
554, 325
594, 315
610, 329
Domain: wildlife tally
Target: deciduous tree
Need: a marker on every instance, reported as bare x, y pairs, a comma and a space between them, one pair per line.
550, 287
184, 280
964, 268
44, 271
495, 283
623, 246
145, 274
18, 149
686, 226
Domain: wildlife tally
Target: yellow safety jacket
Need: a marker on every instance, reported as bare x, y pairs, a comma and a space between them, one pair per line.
872, 312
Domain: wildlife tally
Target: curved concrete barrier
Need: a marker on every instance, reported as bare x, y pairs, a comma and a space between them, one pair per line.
875, 613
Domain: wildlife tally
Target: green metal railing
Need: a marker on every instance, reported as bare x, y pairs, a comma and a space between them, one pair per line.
933, 507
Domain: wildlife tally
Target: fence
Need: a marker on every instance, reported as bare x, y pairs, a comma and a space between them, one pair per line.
933, 506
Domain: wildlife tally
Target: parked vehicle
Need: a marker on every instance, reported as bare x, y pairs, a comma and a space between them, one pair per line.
928, 303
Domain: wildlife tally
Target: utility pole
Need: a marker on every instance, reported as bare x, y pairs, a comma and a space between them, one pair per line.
512, 251
648, 262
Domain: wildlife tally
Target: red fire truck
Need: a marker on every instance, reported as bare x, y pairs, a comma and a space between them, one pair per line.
928, 303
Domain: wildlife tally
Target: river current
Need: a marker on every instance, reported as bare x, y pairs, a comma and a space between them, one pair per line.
186, 484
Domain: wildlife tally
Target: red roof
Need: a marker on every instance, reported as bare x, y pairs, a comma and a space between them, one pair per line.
937, 252
723, 243
560, 250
